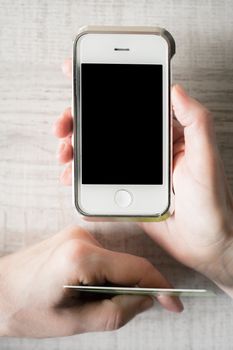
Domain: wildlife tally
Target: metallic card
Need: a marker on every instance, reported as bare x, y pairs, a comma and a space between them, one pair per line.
143, 291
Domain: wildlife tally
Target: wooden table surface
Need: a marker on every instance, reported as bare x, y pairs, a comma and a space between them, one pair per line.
35, 37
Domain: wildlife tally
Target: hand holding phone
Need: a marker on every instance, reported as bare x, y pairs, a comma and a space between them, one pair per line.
200, 233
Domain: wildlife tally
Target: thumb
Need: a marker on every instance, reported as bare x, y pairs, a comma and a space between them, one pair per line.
125, 307
199, 134
105, 315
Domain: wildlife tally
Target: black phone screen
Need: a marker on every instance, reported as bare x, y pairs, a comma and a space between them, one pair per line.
122, 121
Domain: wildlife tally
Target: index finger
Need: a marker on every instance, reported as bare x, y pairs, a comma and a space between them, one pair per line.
130, 270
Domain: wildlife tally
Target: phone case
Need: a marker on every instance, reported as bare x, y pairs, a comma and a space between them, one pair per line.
76, 164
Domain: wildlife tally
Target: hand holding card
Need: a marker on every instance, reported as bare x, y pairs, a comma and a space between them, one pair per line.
34, 304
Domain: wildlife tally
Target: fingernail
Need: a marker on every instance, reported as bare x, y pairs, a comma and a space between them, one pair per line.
147, 304
178, 306
171, 303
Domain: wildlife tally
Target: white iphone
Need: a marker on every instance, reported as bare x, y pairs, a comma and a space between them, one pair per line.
122, 122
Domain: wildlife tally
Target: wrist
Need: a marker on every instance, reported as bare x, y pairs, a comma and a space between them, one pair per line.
6, 307
220, 268
225, 277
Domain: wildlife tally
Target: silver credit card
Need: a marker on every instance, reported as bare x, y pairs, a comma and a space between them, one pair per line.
143, 291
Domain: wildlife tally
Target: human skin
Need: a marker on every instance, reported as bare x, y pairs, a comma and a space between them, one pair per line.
33, 302
199, 234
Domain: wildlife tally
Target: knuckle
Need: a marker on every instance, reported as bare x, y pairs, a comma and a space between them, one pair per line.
74, 232
205, 116
204, 120
81, 261
74, 250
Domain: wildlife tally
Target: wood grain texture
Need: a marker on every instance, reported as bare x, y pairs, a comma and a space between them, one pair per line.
35, 37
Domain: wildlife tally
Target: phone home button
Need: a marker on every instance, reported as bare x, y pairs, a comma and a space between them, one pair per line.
123, 198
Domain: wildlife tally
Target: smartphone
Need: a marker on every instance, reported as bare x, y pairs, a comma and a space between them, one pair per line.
122, 122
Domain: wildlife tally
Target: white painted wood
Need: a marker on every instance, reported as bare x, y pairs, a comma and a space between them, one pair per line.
35, 37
